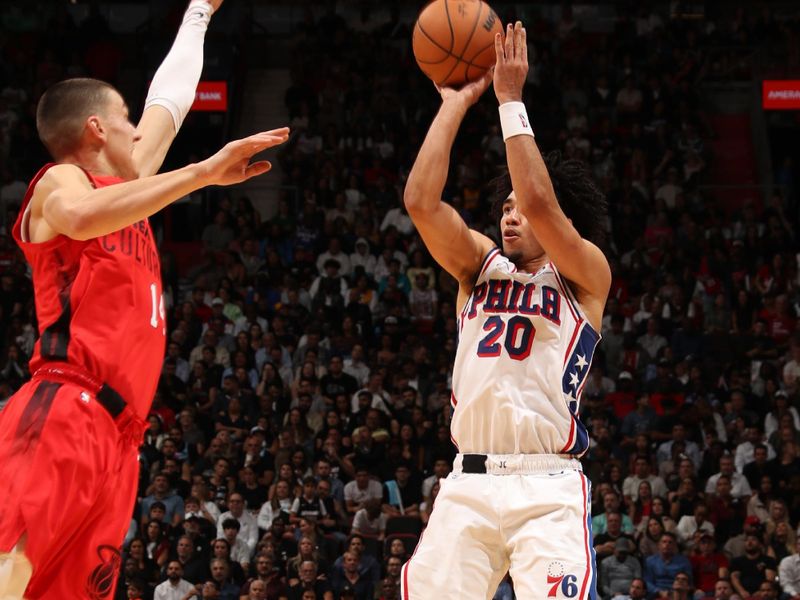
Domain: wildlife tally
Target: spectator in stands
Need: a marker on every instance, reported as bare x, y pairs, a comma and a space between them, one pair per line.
269, 576
248, 527
605, 543
619, 570
753, 568
661, 568
630, 487
348, 577
309, 580
636, 591
708, 565
361, 489
175, 586
739, 486
403, 495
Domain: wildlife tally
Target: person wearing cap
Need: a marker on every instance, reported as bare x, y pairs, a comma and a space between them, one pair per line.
619, 570
789, 574
734, 547
604, 543
708, 565
754, 567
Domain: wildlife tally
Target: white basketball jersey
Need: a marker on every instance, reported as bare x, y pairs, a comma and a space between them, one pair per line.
524, 353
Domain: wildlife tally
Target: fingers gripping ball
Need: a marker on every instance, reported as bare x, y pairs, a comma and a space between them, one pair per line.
453, 40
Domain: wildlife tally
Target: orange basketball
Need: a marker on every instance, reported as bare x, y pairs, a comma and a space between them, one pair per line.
453, 40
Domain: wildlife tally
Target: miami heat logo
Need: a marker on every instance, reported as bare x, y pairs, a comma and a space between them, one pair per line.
101, 582
559, 579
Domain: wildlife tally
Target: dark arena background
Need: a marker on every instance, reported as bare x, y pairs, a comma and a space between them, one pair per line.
310, 335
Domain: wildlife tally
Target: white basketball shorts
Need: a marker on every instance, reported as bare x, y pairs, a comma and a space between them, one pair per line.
528, 514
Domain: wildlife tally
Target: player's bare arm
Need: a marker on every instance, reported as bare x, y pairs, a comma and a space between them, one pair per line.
452, 244
580, 261
65, 203
173, 86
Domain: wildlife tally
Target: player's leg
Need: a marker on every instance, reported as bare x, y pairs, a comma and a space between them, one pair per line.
550, 537
21, 425
88, 563
15, 572
461, 554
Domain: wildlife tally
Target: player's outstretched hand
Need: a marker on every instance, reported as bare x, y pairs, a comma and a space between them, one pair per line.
469, 92
511, 68
232, 163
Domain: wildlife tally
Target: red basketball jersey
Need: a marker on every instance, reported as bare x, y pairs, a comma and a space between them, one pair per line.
99, 304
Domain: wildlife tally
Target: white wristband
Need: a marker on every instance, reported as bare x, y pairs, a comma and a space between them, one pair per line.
514, 120
175, 82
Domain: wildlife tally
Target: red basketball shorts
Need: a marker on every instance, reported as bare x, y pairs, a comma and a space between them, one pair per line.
68, 478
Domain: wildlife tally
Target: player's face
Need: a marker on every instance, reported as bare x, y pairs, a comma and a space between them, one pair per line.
519, 242
121, 137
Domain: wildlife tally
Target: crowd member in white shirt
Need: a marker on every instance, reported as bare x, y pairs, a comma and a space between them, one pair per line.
744, 451
789, 574
630, 486
248, 531
175, 587
740, 488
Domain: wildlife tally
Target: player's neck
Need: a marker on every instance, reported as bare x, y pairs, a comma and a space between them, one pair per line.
531, 265
91, 161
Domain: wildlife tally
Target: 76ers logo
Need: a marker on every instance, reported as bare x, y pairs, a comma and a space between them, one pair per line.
557, 579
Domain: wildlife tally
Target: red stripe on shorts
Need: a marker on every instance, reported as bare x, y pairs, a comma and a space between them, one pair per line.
585, 535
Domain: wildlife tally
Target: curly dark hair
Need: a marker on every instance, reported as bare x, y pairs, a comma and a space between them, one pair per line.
576, 192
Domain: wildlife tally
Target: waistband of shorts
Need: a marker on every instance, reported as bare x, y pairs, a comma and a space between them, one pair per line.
514, 464
107, 396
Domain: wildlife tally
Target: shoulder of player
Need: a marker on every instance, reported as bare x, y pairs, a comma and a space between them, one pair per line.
484, 246
592, 292
64, 177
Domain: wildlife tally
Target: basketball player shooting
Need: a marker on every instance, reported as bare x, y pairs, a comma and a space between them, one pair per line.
69, 438
529, 316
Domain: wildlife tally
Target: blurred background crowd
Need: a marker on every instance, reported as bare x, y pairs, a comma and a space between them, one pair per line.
301, 421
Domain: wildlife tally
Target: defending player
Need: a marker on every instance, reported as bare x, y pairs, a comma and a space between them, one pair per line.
69, 438
528, 320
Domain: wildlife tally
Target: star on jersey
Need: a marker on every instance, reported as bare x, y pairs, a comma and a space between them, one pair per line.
573, 380
576, 366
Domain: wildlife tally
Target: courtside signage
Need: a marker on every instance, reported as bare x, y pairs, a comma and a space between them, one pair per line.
781, 94
211, 96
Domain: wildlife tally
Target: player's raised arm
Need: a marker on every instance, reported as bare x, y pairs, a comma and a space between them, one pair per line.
452, 244
70, 206
580, 261
173, 88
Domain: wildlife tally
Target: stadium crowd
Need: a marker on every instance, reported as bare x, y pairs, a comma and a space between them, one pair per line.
301, 421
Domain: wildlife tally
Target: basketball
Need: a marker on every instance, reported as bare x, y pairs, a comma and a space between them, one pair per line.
453, 40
